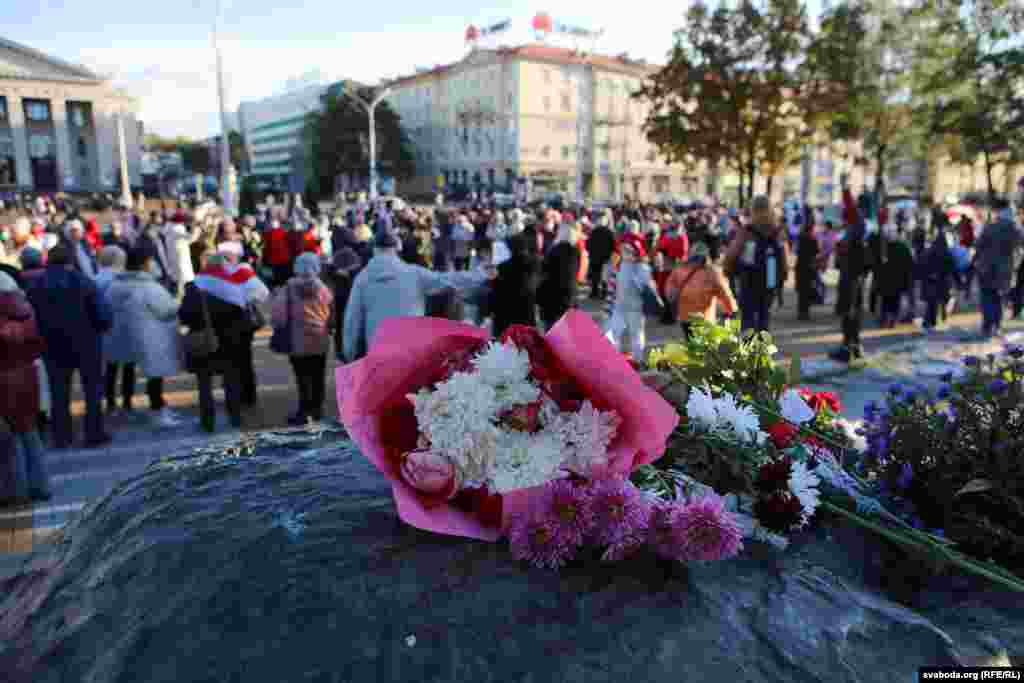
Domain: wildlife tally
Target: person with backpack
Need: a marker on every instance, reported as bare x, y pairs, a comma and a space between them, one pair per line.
854, 261
759, 257
696, 287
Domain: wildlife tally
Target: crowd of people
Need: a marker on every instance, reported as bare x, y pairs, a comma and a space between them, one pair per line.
179, 290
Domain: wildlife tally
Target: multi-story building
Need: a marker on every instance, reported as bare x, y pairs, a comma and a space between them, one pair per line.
272, 130
59, 126
548, 114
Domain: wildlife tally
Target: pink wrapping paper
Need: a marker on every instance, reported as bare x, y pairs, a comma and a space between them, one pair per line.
405, 354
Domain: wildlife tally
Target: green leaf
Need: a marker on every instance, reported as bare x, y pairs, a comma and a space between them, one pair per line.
794, 370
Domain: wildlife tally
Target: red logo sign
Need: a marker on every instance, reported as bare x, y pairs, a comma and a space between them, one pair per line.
472, 34
542, 23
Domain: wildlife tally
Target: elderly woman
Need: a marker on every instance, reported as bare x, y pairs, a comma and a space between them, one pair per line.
304, 307
145, 333
22, 470
557, 292
256, 294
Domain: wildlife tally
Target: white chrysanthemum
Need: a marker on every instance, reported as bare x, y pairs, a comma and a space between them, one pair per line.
741, 419
502, 365
525, 460
457, 419
794, 408
804, 485
700, 408
585, 436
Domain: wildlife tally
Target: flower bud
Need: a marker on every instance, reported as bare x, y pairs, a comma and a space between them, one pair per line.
431, 473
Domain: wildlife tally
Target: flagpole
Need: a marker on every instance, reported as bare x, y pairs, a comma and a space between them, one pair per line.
225, 148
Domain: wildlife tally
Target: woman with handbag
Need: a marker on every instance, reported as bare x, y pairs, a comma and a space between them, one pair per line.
695, 289
301, 316
215, 311
256, 294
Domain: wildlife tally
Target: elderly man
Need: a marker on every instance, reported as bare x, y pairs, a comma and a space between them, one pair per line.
82, 257
388, 287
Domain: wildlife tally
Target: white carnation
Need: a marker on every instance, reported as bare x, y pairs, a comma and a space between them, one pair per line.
502, 365
700, 408
741, 419
794, 408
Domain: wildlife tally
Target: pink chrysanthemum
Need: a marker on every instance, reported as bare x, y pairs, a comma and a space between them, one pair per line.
699, 530
621, 517
535, 539
568, 508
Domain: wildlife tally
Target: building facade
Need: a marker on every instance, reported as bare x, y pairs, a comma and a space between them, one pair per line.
59, 126
552, 115
272, 130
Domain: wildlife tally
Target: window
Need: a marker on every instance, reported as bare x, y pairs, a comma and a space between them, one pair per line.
78, 114
490, 146
37, 110
547, 75
651, 156
83, 149
490, 177
545, 151
566, 102
565, 152
3, 108
510, 100
547, 103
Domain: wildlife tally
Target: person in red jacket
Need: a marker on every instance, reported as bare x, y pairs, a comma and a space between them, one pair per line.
277, 253
22, 469
93, 236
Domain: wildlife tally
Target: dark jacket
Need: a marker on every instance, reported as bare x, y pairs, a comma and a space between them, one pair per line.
938, 269
72, 315
20, 344
806, 261
896, 275
230, 324
600, 244
513, 295
156, 249
558, 287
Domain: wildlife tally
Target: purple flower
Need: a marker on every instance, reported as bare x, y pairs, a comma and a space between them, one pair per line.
946, 377
945, 391
906, 477
971, 361
998, 386
537, 540
1015, 350
895, 389
569, 508
621, 517
699, 530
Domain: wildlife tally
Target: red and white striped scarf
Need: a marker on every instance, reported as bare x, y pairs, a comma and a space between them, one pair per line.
227, 283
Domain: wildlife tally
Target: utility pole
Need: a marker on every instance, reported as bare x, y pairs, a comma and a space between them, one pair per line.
126, 187
371, 108
226, 191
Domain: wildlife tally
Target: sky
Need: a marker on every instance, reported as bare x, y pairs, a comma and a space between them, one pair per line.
162, 52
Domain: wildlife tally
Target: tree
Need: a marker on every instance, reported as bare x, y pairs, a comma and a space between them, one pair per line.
973, 86
336, 141
159, 143
732, 92
861, 61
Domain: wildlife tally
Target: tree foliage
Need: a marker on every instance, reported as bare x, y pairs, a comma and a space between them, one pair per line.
731, 93
335, 141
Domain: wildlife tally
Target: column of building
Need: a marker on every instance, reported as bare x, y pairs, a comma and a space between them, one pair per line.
16, 117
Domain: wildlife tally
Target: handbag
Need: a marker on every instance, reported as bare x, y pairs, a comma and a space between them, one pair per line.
281, 339
201, 344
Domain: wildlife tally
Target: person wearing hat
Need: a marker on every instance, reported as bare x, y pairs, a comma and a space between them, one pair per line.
388, 287
179, 240
759, 257
695, 288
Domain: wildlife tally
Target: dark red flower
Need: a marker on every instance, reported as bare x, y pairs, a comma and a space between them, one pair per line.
522, 418
544, 366
783, 434
566, 395
824, 399
774, 476
485, 504
779, 512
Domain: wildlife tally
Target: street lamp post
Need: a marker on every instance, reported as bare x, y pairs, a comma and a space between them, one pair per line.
226, 192
371, 108
126, 188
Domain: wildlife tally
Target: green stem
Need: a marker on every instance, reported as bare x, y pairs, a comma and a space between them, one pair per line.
1008, 580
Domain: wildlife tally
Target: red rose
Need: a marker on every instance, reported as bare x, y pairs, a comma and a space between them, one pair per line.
542, 362
486, 505
430, 473
783, 434
566, 395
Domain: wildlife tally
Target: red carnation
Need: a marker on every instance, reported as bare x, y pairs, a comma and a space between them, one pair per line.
783, 434
825, 399
774, 476
459, 361
522, 418
779, 512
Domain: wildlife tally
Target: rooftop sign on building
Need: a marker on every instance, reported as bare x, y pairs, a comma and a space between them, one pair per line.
475, 34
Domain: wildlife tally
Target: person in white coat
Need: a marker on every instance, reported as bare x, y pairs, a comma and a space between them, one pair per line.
144, 334
628, 316
179, 240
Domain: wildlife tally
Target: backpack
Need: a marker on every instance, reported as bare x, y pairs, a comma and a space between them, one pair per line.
760, 264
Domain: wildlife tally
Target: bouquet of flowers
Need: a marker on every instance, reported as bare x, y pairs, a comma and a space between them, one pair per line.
531, 437
780, 455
